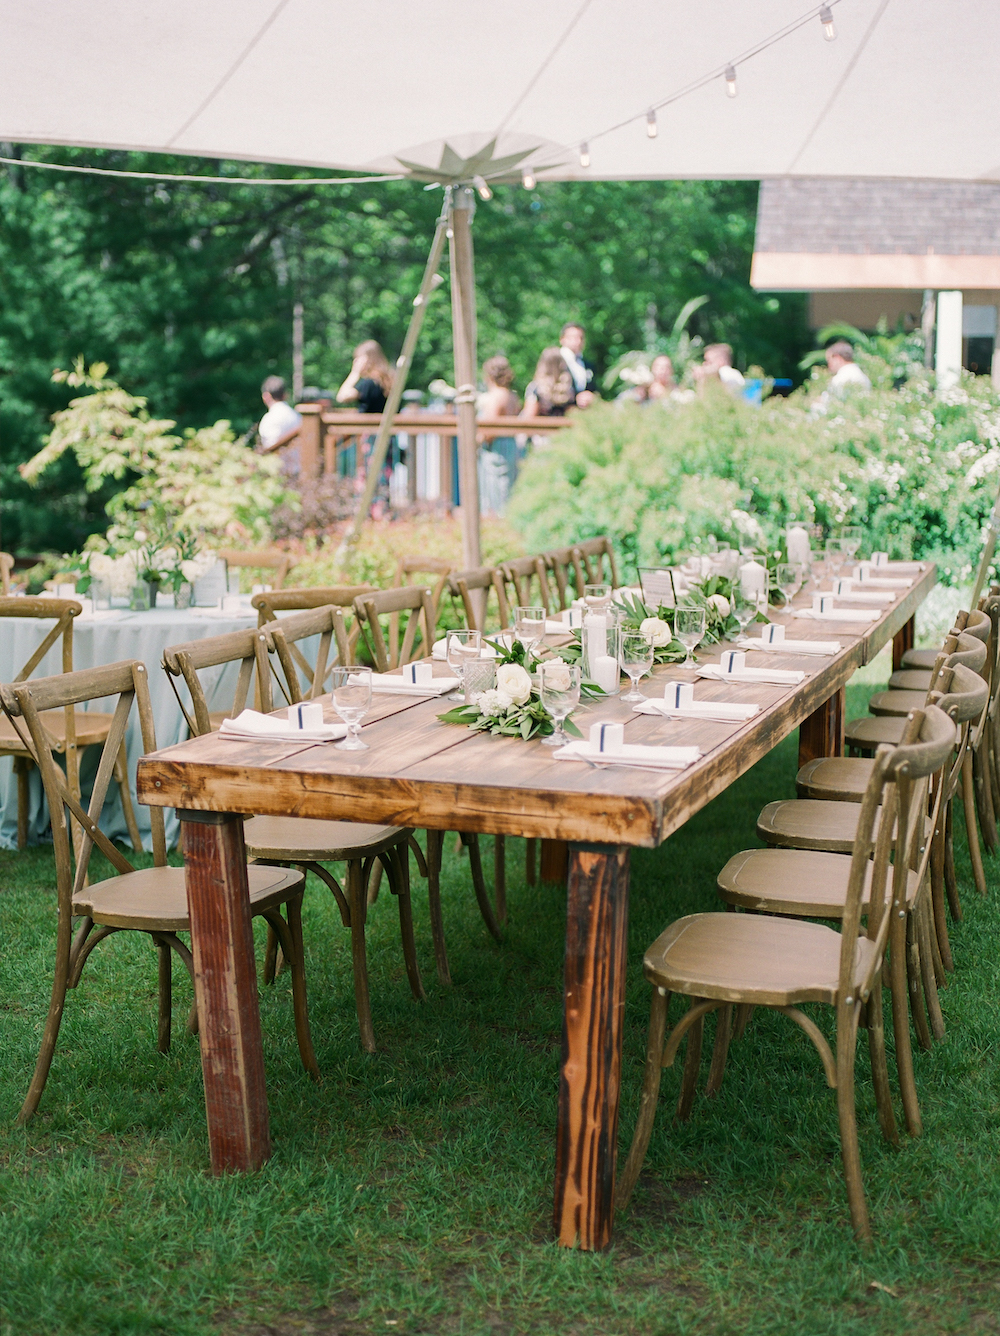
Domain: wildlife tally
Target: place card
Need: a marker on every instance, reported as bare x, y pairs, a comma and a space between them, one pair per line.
418, 674
823, 603
880, 558
733, 661
679, 695
772, 634
571, 617
842, 587
306, 714
607, 737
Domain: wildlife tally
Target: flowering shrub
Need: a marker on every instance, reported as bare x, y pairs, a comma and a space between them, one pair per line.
919, 471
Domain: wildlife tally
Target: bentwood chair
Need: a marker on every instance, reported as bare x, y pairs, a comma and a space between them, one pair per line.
264, 559
589, 560
480, 580
67, 730
268, 606
150, 900
283, 637
416, 601
721, 960
562, 564
6, 566
924, 658
520, 577
299, 842
406, 568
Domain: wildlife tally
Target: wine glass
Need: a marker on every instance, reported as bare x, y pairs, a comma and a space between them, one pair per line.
744, 608
351, 694
851, 536
689, 628
636, 657
789, 580
835, 558
459, 648
529, 626
597, 597
559, 688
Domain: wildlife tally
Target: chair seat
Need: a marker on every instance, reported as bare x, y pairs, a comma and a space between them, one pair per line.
810, 823
747, 958
91, 727
897, 703
804, 882
869, 731
920, 658
911, 679
153, 899
837, 778
299, 839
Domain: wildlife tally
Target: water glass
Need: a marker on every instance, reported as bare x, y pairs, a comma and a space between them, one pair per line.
851, 536
597, 597
351, 695
529, 626
835, 558
559, 688
479, 675
460, 648
636, 657
744, 608
789, 580
689, 628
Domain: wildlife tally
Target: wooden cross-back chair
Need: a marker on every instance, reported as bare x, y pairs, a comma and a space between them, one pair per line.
184, 662
266, 559
417, 601
589, 559
6, 566
150, 900
563, 564
719, 961
406, 568
283, 636
68, 730
518, 576
297, 841
299, 600
476, 580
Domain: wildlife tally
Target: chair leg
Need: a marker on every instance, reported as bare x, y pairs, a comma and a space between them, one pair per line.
971, 828
937, 899
471, 843
530, 874
901, 1026
744, 1012
914, 980
397, 864
720, 1051
880, 1066
165, 999
984, 805
297, 965
53, 1020
628, 1178
950, 879
435, 846
924, 932
692, 1062
270, 957
21, 768
357, 893
500, 877
121, 778
847, 1117
374, 881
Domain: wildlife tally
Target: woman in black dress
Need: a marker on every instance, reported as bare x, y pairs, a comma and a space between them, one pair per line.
366, 387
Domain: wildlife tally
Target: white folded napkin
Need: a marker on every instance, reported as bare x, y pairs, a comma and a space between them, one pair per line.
657, 758
858, 595
392, 684
839, 615
252, 726
778, 677
884, 582
554, 627
720, 711
789, 646
439, 649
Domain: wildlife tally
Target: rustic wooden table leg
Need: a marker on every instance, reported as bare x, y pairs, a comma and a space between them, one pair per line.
822, 734
555, 860
904, 639
593, 1002
225, 983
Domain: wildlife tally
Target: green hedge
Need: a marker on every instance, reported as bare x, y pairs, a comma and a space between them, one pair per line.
918, 470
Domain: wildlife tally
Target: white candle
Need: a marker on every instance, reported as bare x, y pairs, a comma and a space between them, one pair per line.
798, 545
606, 673
753, 578
596, 626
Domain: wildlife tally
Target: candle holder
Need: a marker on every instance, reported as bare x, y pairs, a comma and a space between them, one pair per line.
599, 642
480, 675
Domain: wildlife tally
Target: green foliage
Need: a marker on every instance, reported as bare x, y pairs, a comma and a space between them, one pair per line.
886, 359
919, 471
636, 366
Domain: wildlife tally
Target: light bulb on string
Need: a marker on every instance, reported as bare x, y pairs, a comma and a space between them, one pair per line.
730, 80
484, 191
651, 126
528, 178
826, 18
584, 155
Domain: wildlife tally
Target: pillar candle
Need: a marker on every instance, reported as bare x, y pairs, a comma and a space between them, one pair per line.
606, 673
797, 543
753, 578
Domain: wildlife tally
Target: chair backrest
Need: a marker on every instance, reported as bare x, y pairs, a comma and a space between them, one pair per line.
248, 648
266, 559
517, 577
298, 600
61, 611
406, 569
963, 695
589, 559
6, 566
563, 564
24, 703
970, 652
477, 578
282, 635
414, 599
975, 623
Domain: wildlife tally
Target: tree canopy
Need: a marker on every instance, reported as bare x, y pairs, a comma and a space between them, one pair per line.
186, 292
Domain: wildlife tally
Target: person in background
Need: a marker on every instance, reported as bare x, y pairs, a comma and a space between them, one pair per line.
280, 423
663, 384
717, 367
845, 372
552, 391
499, 400
572, 341
370, 380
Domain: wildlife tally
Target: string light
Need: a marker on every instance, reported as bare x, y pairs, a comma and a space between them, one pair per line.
584, 155
826, 18
484, 191
731, 81
528, 178
651, 126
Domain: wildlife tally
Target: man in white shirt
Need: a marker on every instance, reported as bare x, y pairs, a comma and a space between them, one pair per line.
718, 365
572, 341
280, 423
845, 372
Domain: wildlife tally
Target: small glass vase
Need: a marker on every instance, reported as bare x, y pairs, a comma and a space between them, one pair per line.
183, 596
139, 597
480, 675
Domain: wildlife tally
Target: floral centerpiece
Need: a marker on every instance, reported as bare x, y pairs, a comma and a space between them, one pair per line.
512, 708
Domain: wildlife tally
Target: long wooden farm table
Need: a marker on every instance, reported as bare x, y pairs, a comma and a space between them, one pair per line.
422, 773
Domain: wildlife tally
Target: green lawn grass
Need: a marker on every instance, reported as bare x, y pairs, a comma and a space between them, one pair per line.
411, 1191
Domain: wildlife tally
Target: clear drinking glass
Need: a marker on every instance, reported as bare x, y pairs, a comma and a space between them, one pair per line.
636, 658
529, 626
597, 597
351, 694
851, 536
744, 608
835, 558
789, 580
559, 688
460, 647
689, 628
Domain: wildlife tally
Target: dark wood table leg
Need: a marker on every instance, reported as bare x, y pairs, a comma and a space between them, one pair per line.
225, 984
555, 860
594, 1003
904, 639
822, 734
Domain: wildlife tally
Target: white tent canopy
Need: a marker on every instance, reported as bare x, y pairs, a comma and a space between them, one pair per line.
907, 89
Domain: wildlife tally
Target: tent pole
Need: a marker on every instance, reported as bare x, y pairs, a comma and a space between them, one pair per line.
376, 459
463, 318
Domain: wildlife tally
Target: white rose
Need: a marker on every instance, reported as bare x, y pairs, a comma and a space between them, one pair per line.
720, 603
556, 676
514, 682
658, 631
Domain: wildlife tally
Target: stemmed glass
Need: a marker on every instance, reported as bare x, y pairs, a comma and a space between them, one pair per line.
529, 626
851, 536
744, 608
835, 558
460, 647
597, 597
636, 657
351, 694
559, 688
689, 628
789, 580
